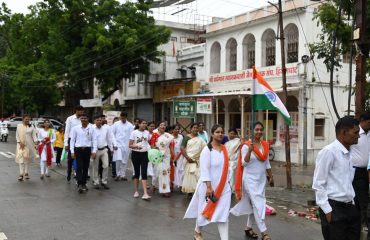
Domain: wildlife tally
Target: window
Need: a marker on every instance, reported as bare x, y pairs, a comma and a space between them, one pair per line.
215, 58
291, 36
131, 80
347, 57
268, 48
173, 39
249, 52
319, 127
231, 55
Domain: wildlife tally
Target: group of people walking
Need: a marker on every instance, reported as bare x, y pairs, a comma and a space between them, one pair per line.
203, 167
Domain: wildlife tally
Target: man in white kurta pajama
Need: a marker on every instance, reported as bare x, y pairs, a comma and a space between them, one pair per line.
122, 130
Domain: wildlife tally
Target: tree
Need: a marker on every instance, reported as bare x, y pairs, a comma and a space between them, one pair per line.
76, 41
327, 16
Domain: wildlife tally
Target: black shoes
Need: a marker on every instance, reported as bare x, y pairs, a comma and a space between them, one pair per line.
104, 186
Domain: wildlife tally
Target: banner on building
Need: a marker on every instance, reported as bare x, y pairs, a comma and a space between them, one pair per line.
184, 109
95, 102
110, 115
204, 105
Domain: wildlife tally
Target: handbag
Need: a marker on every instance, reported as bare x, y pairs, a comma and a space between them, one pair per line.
192, 167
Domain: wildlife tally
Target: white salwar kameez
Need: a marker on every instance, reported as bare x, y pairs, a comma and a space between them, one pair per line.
41, 135
211, 166
180, 164
162, 170
121, 132
232, 147
253, 201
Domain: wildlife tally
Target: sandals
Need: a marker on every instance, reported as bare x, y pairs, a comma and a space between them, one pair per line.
27, 176
20, 178
250, 233
146, 198
265, 236
197, 236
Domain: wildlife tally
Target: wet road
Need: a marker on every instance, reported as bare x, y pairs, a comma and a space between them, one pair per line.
53, 210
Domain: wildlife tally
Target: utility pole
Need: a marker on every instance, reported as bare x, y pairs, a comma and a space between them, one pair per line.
305, 59
363, 45
285, 95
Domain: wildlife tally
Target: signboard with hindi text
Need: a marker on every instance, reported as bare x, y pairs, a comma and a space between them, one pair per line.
184, 109
204, 105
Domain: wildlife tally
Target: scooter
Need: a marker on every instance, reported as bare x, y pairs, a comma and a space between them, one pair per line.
4, 132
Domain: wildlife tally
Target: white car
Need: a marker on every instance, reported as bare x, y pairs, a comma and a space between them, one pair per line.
14, 122
38, 124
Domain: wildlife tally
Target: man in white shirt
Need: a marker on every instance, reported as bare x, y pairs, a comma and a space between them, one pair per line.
122, 130
71, 122
332, 182
83, 146
105, 141
360, 157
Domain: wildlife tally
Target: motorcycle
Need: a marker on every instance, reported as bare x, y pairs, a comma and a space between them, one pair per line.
4, 132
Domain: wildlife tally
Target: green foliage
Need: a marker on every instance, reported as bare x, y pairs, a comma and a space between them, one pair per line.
326, 17
75, 42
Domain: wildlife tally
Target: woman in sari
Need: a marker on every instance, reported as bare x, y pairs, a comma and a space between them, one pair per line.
46, 137
250, 183
212, 198
232, 147
178, 158
26, 146
191, 148
162, 170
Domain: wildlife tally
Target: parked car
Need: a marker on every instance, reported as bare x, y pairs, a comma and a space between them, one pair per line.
54, 122
14, 122
38, 124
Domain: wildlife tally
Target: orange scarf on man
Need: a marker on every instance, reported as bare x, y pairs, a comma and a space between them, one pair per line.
239, 167
211, 206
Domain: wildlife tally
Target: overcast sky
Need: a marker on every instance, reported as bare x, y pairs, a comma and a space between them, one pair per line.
217, 8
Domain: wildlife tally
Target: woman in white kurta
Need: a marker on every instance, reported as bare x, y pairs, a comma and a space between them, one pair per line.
253, 201
162, 170
46, 137
212, 160
26, 151
179, 159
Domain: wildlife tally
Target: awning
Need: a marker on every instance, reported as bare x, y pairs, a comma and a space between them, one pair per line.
233, 93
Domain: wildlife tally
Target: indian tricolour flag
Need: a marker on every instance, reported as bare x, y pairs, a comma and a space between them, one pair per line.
265, 98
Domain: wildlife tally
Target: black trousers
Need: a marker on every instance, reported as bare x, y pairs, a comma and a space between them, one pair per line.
361, 186
345, 222
83, 162
140, 162
70, 161
59, 154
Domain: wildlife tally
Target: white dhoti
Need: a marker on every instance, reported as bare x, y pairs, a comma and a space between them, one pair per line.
120, 157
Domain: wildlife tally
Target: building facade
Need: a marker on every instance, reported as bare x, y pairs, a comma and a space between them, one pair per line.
235, 44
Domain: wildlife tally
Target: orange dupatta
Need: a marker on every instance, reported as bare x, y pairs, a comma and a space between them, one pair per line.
211, 206
239, 167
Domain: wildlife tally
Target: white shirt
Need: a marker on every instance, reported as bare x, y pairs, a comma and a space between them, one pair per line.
122, 132
360, 151
140, 138
71, 122
333, 176
104, 137
83, 137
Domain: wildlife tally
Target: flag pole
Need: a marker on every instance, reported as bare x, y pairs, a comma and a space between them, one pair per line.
253, 93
